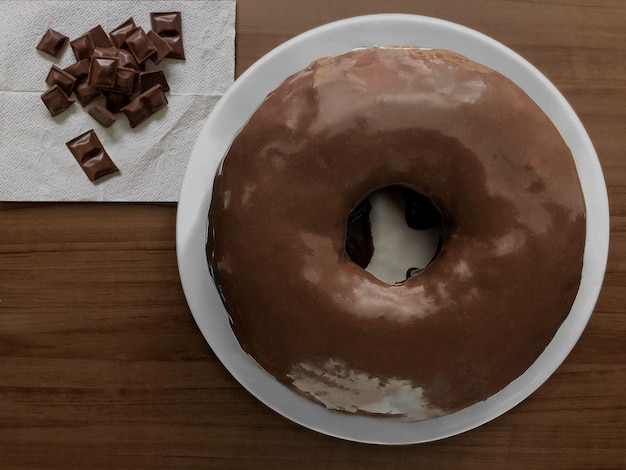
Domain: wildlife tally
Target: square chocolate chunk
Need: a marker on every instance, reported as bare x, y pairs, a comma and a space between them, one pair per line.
58, 76
114, 102
124, 81
118, 35
150, 78
79, 69
86, 93
140, 45
52, 43
99, 37
163, 48
169, 26
127, 59
105, 52
103, 71
145, 105
56, 100
102, 115
91, 155
82, 46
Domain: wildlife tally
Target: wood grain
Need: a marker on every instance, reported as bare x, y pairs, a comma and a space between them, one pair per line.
102, 365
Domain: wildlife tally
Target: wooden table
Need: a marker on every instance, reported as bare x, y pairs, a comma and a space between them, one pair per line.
102, 366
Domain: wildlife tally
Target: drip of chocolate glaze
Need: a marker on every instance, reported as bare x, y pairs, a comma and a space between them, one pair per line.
359, 243
421, 213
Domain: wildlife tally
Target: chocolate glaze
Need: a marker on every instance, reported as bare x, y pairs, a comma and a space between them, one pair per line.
359, 244
455, 131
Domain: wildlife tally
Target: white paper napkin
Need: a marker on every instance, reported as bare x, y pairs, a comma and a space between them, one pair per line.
35, 164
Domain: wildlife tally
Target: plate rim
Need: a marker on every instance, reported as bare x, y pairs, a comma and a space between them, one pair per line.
242, 98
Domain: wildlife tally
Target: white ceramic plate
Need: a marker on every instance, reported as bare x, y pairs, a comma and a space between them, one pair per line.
234, 110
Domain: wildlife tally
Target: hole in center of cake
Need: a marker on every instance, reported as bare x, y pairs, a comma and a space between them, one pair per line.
394, 233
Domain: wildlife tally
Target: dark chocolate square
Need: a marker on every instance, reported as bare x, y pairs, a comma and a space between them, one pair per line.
91, 155
114, 102
103, 71
145, 105
56, 100
105, 52
102, 115
127, 59
52, 43
169, 26
140, 45
82, 46
118, 35
79, 69
163, 49
58, 76
99, 37
86, 93
152, 77
124, 81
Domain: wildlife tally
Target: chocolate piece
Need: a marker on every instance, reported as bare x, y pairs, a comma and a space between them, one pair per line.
161, 45
56, 100
169, 26
124, 81
127, 59
139, 44
114, 102
86, 93
58, 76
52, 43
118, 35
105, 52
91, 155
102, 115
103, 71
99, 37
124, 75
82, 46
79, 69
153, 77
145, 105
